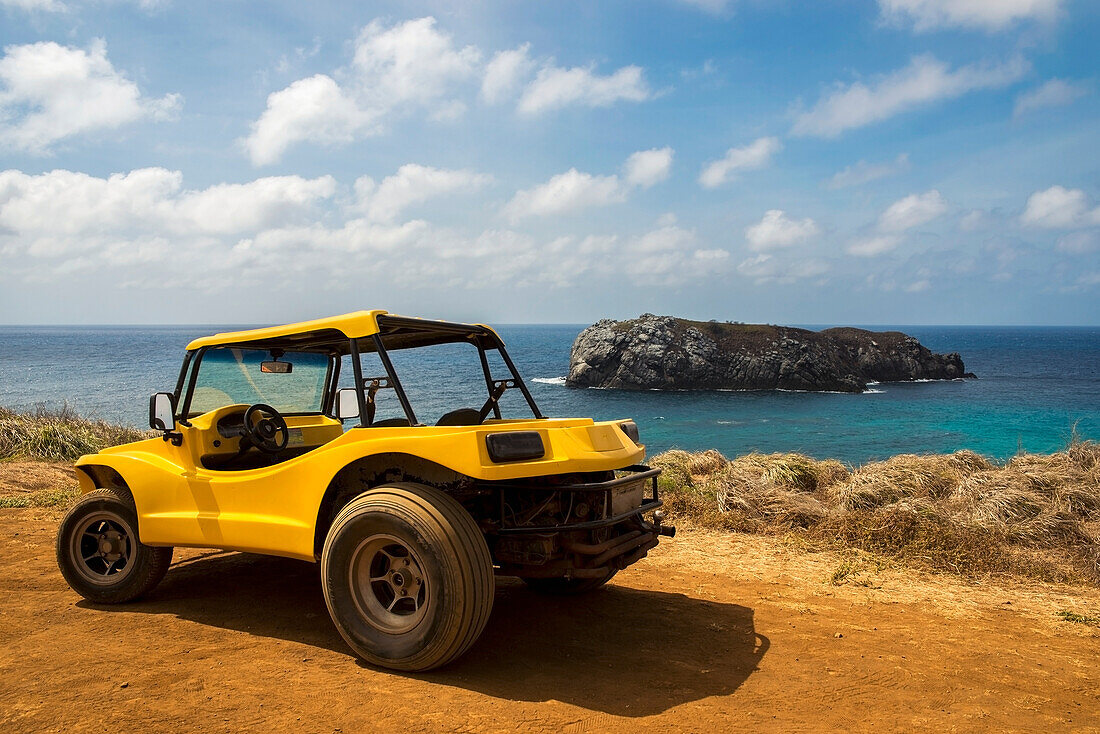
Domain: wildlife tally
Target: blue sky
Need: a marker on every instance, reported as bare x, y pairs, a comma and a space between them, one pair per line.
871, 161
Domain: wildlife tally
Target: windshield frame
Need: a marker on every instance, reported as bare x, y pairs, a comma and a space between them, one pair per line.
192, 363
412, 333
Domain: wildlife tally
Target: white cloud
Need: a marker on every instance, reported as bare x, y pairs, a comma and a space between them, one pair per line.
50, 92
1053, 93
918, 286
505, 72
565, 192
757, 154
863, 172
61, 212
648, 167
988, 15
973, 220
53, 6
1078, 243
315, 109
406, 66
411, 62
872, 246
904, 214
413, 184
555, 87
34, 6
280, 232
575, 190
777, 230
716, 7
765, 268
1059, 208
912, 211
924, 81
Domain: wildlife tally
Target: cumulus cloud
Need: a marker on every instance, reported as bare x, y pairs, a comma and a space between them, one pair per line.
988, 15
872, 246
575, 190
505, 73
716, 7
757, 154
1059, 208
648, 167
413, 184
53, 6
912, 211
765, 268
287, 230
64, 212
777, 230
32, 6
1078, 243
565, 192
50, 92
1052, 93
904, 214
409, 62
405, 66
556, 87
314, 109
924, 81
863, 172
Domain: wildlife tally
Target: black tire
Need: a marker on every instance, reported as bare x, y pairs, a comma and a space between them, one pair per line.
99, 553
407, 577
568, 587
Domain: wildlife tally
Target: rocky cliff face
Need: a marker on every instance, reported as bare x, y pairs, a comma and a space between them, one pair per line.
662, 352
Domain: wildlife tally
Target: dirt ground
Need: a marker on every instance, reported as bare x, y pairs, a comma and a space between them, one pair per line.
712, 632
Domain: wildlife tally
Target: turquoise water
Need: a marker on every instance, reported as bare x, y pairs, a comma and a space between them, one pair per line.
1034, 385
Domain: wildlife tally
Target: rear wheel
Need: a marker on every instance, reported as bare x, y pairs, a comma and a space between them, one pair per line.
407, 577
99, 553
569, 587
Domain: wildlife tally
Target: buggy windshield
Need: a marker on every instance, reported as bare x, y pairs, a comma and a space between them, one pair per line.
233, 376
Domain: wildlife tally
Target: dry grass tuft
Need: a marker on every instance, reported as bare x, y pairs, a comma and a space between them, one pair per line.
58, 435
1036, 515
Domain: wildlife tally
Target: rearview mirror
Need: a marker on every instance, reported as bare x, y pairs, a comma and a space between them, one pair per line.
162, 412
347, 403
276, 368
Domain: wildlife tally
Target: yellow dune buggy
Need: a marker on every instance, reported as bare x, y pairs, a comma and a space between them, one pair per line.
409, 522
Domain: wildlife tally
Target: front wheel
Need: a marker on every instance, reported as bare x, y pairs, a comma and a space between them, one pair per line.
99, 553
407, 577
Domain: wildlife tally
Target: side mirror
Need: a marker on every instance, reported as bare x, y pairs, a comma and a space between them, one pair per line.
162, 411
347, 403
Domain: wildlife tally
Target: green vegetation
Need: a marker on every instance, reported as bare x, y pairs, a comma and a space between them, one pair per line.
61, 435
44, 498
1076, 618
1035, 515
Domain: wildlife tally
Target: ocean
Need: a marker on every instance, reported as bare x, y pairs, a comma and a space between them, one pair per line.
1034, 385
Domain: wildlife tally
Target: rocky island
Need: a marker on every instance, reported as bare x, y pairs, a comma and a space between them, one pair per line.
667, 353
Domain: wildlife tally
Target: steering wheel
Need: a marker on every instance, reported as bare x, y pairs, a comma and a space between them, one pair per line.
265, 429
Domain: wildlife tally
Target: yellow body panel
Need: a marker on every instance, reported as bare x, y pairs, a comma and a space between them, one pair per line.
274, 509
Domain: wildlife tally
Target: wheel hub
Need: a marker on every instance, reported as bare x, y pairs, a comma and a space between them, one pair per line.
103, 548
389, 584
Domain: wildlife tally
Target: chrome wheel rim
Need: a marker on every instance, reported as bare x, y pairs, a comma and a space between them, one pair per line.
102, 548
388, 584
